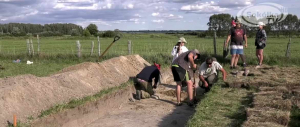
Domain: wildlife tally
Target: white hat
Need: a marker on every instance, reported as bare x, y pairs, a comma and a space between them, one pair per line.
182, 40
261, 24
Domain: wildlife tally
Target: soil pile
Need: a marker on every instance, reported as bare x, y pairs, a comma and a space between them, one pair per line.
27, 95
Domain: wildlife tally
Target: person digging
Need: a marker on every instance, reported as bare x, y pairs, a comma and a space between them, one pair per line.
143, 82
208, 73
182, 70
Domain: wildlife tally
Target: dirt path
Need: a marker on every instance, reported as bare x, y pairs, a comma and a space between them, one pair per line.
117, 110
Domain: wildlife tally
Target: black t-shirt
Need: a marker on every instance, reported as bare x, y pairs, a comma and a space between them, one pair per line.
148, 73
237, 35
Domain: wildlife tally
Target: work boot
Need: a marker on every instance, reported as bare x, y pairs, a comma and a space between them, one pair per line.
244, 65
138, 94
155, 96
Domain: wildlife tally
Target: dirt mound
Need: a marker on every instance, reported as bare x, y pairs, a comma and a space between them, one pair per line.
27, 95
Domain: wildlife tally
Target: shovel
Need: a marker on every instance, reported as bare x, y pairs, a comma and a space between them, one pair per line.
115, 39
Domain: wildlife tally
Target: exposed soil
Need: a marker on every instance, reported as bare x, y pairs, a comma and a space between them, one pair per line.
27, 95
117, 110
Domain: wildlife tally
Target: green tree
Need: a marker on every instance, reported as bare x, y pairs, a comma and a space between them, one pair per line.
86, 33
220, 22
108, 33
93, 29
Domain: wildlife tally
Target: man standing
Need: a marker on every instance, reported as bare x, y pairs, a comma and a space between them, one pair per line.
182, 69
143, 82
208, 73
237, 35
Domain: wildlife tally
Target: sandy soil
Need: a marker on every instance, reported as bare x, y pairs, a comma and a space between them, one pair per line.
117, 110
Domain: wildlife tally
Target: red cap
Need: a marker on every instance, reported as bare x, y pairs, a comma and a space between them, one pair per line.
157, 65
233, 23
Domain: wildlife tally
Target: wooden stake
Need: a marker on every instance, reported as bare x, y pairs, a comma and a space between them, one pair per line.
15, 121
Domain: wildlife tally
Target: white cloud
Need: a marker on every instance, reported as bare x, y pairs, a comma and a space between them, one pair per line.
130, 6
109, 5
137, 15
203, 8
74, 1
158, 21
63, 6
235, 3
155, 14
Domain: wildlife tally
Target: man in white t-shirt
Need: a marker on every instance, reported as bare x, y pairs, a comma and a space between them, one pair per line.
208, 74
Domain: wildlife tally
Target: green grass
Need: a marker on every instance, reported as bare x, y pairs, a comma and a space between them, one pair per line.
222, 107
78, 102
295, 117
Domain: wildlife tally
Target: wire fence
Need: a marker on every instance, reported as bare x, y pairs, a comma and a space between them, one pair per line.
275, 46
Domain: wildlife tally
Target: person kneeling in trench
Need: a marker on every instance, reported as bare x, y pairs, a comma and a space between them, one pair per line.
208, 73
143, 82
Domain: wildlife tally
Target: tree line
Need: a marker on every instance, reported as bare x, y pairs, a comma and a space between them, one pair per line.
56, 29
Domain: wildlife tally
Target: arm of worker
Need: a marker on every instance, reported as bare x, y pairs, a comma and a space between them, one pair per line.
203, 80
157, 76
191, 59
228, 38
246, 41
224, 74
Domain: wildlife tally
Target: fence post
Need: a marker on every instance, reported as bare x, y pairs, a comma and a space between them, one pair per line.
129, 46
98, 46
28, 47
288, 52
32, 49
79, 49
215, 43
92, 48
38, 41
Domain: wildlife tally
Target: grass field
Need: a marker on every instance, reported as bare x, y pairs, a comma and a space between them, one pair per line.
59, 52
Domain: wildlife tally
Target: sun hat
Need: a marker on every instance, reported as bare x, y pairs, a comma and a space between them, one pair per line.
182, 39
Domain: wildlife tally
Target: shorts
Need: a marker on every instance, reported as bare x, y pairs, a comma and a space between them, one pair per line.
180, 74
236, 49
260, 47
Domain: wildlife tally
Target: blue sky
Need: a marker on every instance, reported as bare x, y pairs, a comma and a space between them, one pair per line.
128, 14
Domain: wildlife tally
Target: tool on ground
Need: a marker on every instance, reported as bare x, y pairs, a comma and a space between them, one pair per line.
115, 39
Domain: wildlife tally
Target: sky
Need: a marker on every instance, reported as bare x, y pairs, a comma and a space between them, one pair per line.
128, 14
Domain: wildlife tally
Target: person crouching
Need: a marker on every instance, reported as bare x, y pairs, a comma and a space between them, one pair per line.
208, 73
143, 82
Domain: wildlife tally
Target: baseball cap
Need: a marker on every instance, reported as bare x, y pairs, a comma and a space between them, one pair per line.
261, 24
157, 65
197, 53
233, 23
